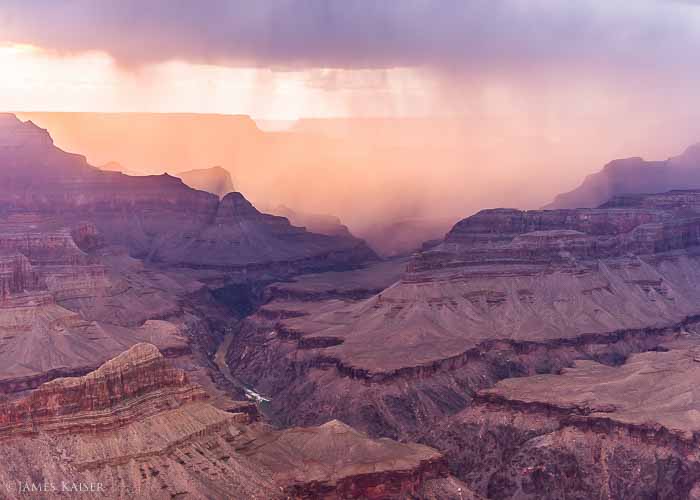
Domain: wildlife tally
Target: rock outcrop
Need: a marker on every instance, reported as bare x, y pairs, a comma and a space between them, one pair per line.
634, 175
16, 275
96, 399
64, 308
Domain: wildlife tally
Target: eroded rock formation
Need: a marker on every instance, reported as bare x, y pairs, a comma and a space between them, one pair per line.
137, 427
507, 293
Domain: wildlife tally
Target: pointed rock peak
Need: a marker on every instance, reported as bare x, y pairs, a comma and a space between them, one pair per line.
235, 205
336, 426
692, 154
14, 132
9, 119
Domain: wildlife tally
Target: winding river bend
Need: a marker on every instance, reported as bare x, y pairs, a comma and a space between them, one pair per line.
220, 360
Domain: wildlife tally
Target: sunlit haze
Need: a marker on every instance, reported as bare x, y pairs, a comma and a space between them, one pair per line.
493, 103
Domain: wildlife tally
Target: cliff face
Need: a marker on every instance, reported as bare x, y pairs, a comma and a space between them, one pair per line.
74, 293
634, 175
67, 304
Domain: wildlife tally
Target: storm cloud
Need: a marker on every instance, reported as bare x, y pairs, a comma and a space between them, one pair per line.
450, 35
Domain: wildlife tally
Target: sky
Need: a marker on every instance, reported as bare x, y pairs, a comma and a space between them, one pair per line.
285, 59
521, 98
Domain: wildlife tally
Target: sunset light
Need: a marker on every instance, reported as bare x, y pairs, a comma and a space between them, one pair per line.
350, 249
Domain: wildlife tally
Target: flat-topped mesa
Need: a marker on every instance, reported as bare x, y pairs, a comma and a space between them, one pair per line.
639, 224
634, 175
16, 275
502, 224
121, 386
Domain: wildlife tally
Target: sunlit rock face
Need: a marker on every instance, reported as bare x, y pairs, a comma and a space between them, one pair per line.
634, 175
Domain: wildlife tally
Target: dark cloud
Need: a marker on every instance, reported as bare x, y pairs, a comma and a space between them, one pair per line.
458, 35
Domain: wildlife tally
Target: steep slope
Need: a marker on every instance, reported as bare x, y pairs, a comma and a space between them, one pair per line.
634, 175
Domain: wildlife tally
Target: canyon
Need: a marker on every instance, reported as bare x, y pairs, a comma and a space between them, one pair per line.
160, 341
411, 349
116, 291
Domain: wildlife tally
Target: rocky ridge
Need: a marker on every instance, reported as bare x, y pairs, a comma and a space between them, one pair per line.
137, 427
154, 216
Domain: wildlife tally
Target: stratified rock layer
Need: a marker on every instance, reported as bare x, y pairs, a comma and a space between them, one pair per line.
507, 293
594, 431
136, 427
